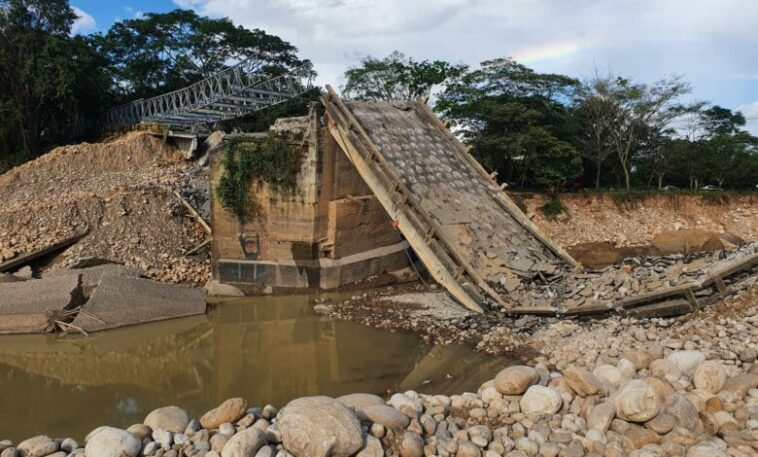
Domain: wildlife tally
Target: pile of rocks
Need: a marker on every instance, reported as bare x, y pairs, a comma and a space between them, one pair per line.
659, 402
117, 192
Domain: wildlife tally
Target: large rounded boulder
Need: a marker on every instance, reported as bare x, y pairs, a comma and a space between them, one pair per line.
540, 401
637, 401
516, 380
112, 442
169, 418
319, 427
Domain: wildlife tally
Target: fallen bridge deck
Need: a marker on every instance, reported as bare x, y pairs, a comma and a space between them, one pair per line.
465, 229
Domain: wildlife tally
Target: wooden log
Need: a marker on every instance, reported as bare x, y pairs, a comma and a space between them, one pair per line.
735, 267
667, 308
194, 213
28, 257
198, 247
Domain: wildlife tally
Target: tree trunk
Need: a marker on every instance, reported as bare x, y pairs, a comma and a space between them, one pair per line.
597, 177
30, 134
627, 180
660, 181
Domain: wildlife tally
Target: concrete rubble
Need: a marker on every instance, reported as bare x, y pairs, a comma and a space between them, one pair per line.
573, 291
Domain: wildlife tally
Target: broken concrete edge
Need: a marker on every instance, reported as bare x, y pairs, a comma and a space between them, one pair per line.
59, 302
26, 311
122, 301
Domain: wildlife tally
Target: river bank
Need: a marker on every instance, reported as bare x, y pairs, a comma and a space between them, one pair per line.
681, 387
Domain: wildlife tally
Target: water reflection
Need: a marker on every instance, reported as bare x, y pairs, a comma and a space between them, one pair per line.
268, 350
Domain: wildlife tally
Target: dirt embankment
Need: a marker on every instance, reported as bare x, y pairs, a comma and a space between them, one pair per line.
601, 218
119, 193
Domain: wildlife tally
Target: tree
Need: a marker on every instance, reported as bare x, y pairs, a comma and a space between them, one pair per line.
163, 52
597, 111
727, 152
517, 120
633, 108
397, 77
48, 80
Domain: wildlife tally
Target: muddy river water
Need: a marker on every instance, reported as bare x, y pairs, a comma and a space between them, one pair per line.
268, 350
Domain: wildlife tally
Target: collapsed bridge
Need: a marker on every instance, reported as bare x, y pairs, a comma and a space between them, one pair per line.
241, 89
462, 225
373, 171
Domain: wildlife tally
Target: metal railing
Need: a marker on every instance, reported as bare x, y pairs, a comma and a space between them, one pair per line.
230, 93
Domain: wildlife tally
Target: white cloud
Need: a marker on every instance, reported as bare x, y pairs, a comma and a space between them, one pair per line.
750, 111
84, 23
706, 40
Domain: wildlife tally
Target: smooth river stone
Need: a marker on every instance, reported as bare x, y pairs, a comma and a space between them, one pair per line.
710, 376
360, 401
611, 374
540, 400
112, 442
169, 418
39, 446
385, 415
686, 361
582, 381
319, 426
637, 401
229, 411
516, 380
244, 444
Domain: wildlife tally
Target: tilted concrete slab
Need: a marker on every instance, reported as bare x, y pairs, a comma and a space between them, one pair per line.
91, 276
120, 301
24, 306
464, 228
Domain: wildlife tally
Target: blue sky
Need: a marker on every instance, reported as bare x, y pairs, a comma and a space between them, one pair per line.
713, 43
106, 12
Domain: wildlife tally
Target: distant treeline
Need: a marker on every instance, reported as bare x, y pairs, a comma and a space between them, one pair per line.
537, 131
554, 132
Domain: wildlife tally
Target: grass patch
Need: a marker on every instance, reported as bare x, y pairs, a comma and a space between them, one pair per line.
716, 197
553, 207
272, 159
625, 200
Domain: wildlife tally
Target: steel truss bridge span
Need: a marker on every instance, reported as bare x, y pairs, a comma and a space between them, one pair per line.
230, 93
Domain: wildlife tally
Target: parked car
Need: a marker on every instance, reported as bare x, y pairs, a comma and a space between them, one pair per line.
670, 188
710, 187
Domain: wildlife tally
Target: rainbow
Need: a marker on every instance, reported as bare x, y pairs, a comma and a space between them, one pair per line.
550, 51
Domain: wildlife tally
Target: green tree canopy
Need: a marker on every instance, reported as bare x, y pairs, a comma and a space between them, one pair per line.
163, 52
397, 77
49, 81
519, 122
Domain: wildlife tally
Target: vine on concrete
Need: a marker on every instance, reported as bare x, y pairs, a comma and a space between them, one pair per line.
272, 159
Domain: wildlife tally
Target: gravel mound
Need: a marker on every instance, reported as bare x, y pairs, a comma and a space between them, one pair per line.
119, 193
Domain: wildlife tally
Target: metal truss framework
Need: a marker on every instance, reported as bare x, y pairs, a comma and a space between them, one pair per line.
230, 93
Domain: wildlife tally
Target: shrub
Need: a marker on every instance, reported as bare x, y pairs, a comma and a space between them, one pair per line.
553, 207
272, 159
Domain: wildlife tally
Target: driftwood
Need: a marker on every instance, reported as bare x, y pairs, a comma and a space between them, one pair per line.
194, 213
198, 247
